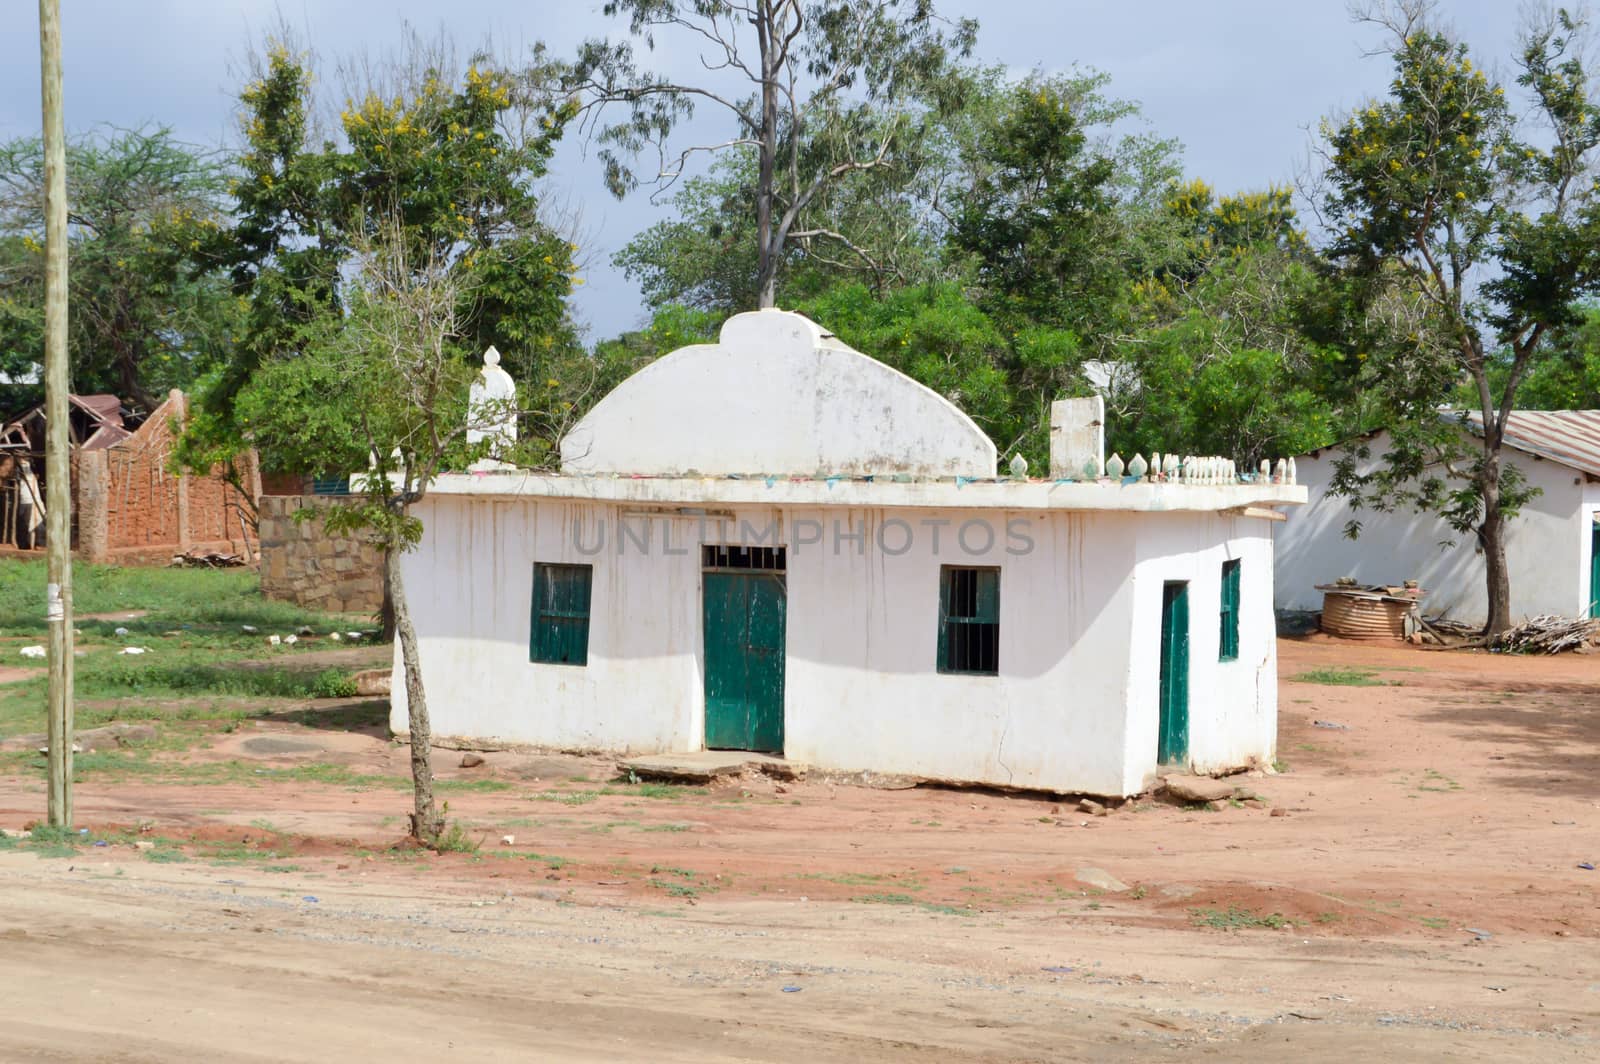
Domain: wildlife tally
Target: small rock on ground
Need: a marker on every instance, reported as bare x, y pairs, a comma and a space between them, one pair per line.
1100, 879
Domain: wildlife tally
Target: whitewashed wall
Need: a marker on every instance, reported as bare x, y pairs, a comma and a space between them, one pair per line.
1074, 708
1233, 705
1547, 546
775, 394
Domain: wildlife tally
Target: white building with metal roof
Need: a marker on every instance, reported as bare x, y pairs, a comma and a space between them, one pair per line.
775, 543
1552, 545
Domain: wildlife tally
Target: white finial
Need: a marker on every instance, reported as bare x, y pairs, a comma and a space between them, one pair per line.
1019, 466
492, 410
1293, 476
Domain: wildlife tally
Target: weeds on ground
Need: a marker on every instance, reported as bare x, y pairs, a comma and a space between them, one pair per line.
455, 839
1234, 918
1341, 677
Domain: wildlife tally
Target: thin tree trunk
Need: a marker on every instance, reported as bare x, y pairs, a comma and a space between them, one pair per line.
1492, 535
767, 273
426, 824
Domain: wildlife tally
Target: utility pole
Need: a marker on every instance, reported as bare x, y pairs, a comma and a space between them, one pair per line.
57, 461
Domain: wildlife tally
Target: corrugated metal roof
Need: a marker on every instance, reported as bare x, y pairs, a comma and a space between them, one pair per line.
1571, 437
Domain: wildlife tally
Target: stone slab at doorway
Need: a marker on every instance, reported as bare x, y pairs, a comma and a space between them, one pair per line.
703, 766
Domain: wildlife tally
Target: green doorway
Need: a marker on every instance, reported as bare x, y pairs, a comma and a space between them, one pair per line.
1172, 744
745, 604
1594, 568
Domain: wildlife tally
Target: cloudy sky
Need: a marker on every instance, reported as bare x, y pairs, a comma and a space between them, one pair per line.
1239, 82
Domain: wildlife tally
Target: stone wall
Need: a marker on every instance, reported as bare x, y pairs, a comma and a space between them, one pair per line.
301, 563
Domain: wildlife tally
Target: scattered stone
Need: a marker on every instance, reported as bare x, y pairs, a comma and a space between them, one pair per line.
471, 760
291, 639
305, 629
1305, 1014
1216, 805
12, 834
249, 629
1100, 879
114, 736
131, 650
32, 652
1280, 811
119, 631
274, 640
1198, 788
1089, 805
1330, 725
143, 844
374, 682
508, 840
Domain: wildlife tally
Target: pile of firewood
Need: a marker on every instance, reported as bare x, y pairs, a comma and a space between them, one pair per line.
208, 559
1545, 634
1548, 634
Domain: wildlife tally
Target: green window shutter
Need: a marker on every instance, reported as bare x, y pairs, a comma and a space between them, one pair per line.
944, 618
969, 620
1228, 645
558, 622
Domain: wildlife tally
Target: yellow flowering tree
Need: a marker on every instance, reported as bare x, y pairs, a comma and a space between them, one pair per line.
1464, 250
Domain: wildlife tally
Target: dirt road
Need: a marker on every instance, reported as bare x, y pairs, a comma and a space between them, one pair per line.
1419, 898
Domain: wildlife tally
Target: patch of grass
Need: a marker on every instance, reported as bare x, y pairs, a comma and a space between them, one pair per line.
886, 899
667, 827
1330, 918
164, 856
674, 890
1234, 918
1437, 923
1338, 677
575, 798
455, 839
549, 860
331, 683
1437, 781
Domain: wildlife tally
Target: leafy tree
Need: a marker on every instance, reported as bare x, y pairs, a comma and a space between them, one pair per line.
1215, 360
451, 165
1569, 379
379, 382
1484, 239
445, 167
149, 307
813, 94
1057, 218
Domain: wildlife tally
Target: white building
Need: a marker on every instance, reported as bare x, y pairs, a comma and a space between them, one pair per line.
777, 543
1552, 546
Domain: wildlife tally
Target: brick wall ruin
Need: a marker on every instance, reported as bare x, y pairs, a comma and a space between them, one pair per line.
301, 563
130, 508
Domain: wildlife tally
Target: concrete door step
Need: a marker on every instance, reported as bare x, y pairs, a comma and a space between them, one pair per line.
703, 766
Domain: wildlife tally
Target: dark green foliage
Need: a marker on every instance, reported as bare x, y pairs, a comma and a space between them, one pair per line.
149, 307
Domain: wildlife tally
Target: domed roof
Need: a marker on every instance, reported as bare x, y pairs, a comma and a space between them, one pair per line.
775, 395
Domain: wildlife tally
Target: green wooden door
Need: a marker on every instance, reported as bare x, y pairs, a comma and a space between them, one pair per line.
1173, 743
744, 626
1594, 572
